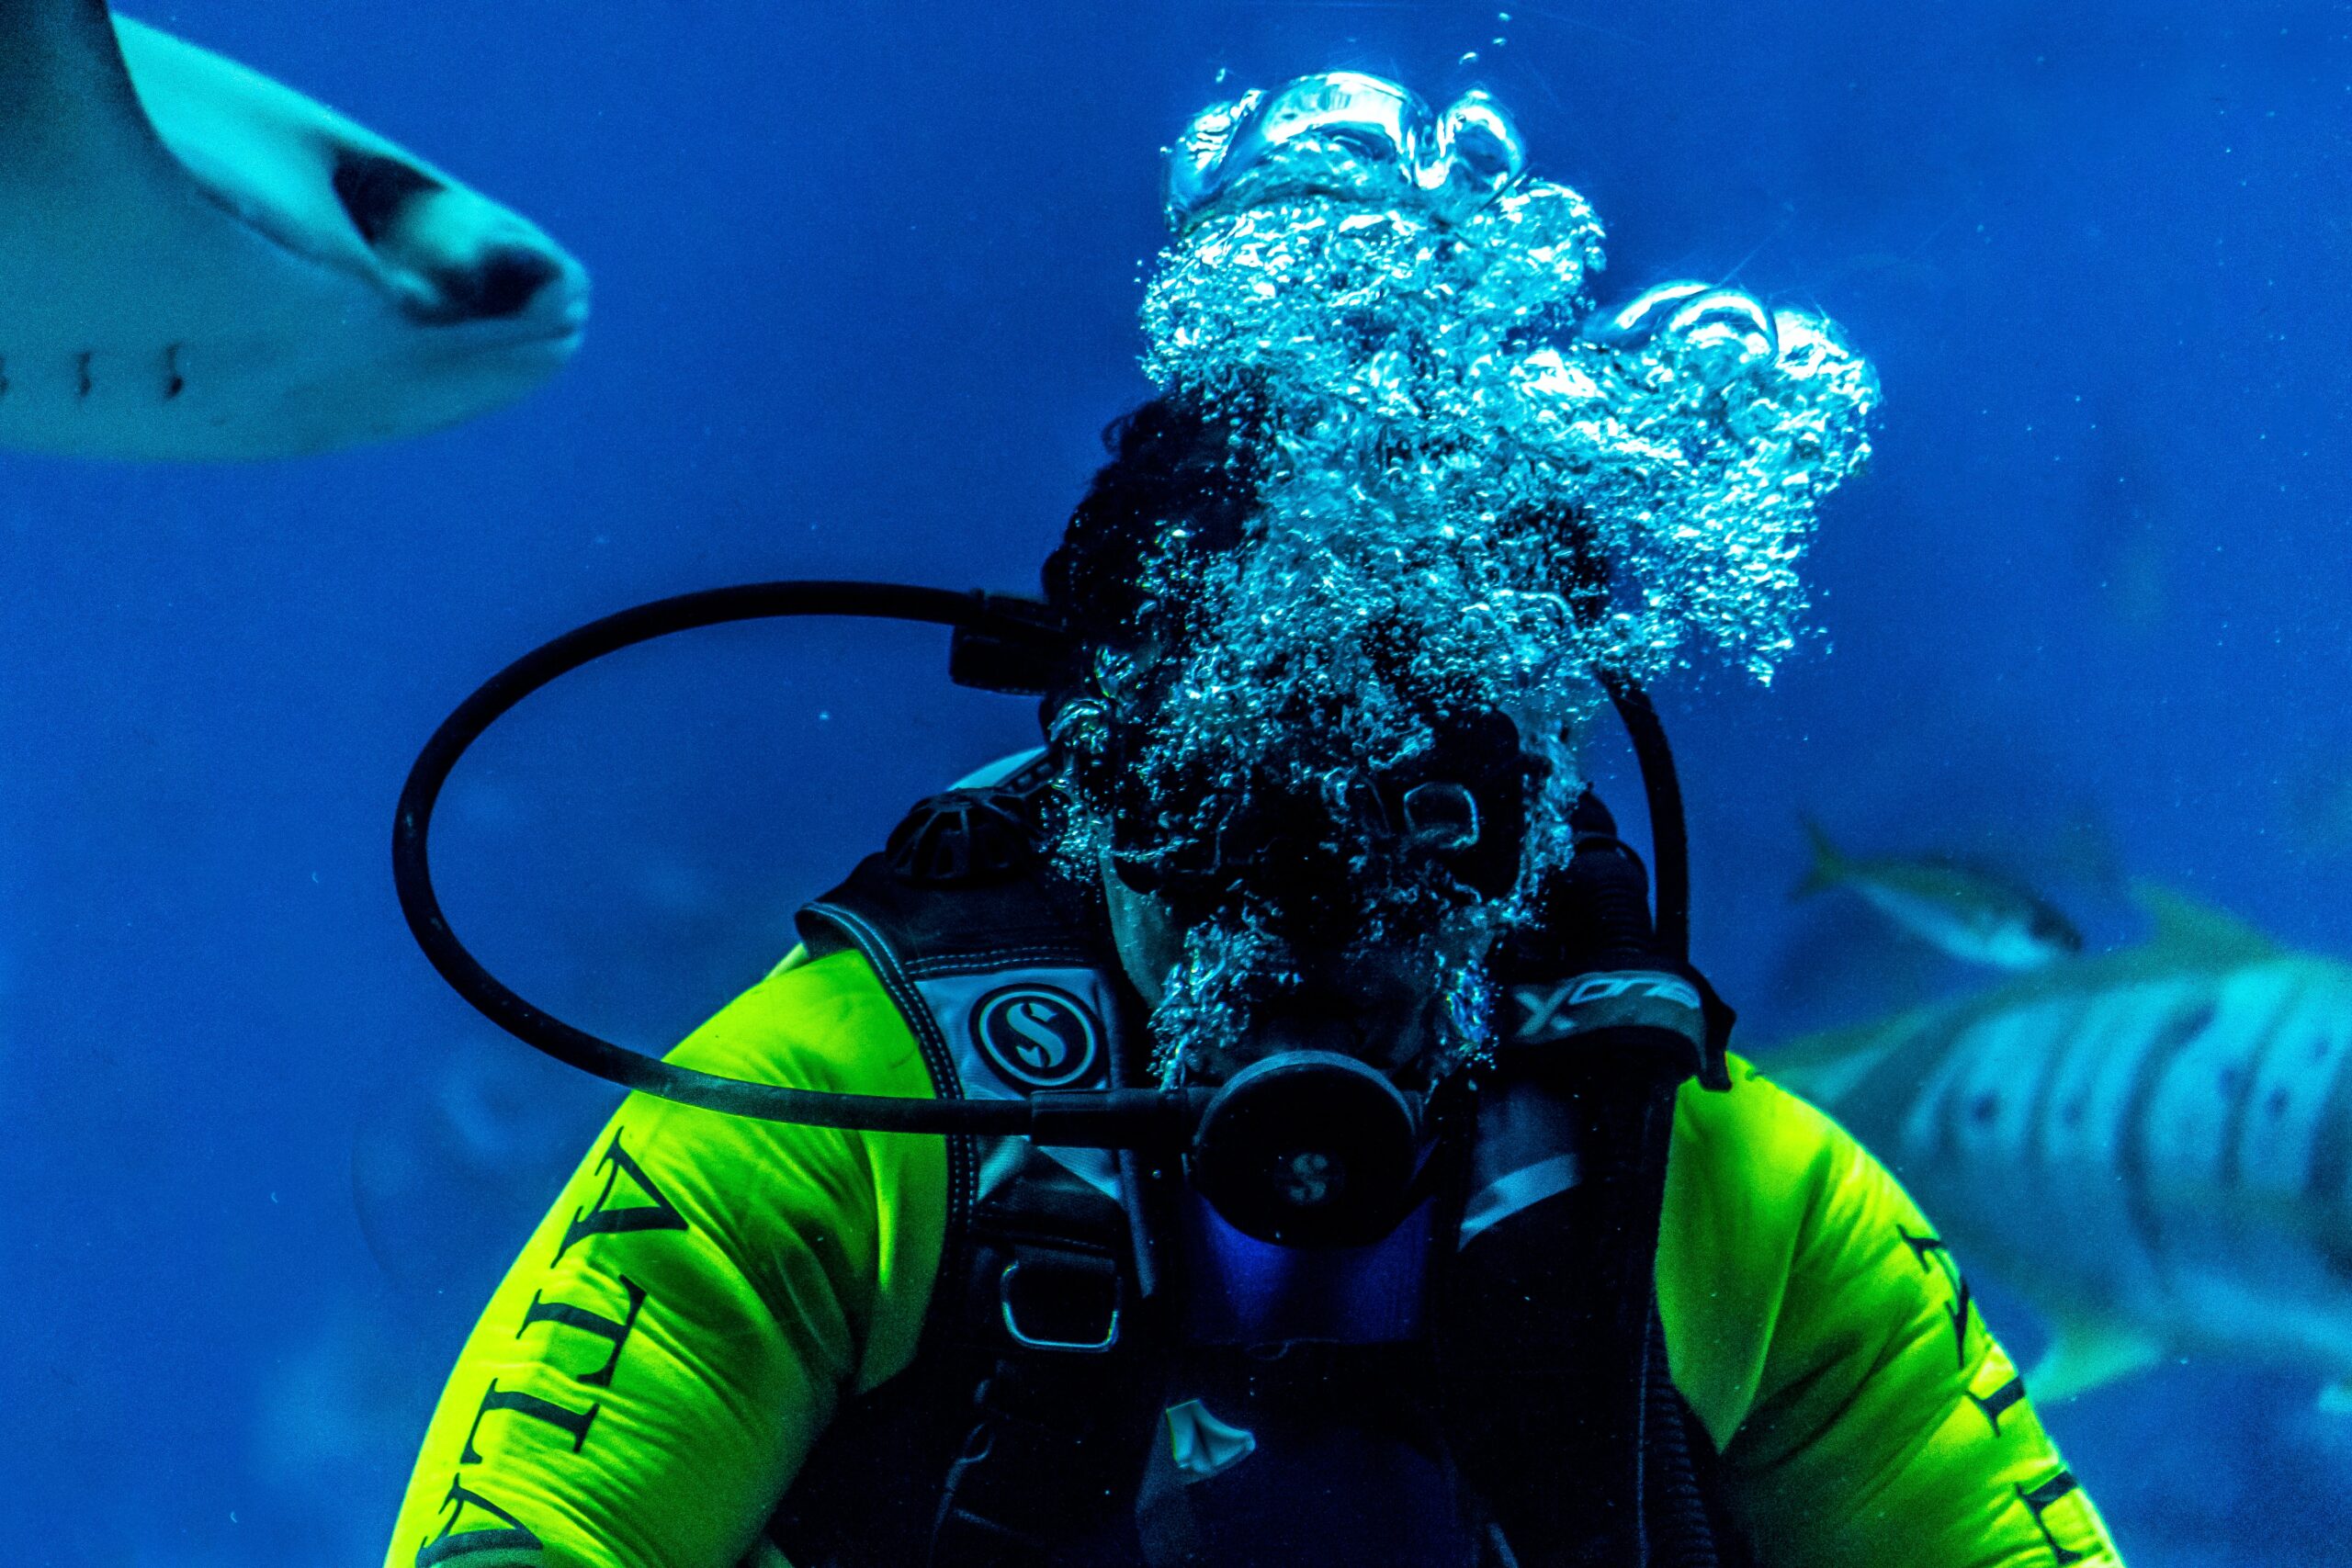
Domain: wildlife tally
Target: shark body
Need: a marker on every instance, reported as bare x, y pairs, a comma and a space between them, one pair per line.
2154, 1146
198, 263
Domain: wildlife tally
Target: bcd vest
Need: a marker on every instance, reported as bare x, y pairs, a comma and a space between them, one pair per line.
1112, 1377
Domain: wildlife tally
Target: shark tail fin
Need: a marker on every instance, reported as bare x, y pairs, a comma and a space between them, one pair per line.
1828, 868
2088, 1352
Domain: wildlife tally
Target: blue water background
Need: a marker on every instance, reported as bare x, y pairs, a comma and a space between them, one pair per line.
866, 279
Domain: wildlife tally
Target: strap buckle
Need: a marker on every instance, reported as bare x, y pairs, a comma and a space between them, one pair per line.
1050, 1310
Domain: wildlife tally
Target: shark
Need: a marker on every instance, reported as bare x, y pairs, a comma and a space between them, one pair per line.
2152, 1145
200, 263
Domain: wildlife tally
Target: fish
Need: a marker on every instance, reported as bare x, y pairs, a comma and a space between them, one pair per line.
2152, 1147
200, 263
1977, 916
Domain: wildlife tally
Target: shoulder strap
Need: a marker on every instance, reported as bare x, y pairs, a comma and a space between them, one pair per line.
999, 965
1004, 974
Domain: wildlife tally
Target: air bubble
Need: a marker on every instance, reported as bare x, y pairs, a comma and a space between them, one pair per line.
1482, 492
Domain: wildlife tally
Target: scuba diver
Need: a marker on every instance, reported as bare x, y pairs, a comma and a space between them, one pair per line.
1272, 1122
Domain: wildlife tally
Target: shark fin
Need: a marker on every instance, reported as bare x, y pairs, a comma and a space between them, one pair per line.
2185, 926
2086, 1354
1828, 868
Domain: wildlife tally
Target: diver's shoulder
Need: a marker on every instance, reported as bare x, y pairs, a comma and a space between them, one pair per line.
1759, 1135
813, 1023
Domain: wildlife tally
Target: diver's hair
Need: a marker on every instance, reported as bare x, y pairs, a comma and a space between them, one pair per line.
1183, 489
1178, 490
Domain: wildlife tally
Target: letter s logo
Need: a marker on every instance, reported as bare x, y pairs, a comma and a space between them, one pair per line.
1036, 1036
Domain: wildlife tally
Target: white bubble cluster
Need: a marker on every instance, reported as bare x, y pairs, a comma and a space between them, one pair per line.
1427, 375
1475, 491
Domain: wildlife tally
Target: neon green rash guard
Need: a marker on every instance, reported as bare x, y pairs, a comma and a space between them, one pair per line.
707, 1290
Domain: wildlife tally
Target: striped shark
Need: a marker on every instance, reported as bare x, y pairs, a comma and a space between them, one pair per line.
198, 263
2154, 1146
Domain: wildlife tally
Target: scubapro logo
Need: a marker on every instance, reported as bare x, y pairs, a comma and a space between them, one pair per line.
1036, 1036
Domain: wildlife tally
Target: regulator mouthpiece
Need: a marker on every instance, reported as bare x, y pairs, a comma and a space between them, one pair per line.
1308, 1148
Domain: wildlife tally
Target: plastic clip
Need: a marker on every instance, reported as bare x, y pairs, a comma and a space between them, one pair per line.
1054, 1341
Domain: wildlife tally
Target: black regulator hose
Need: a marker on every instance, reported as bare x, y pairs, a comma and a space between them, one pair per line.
1662, 790
982, 614
1001, 643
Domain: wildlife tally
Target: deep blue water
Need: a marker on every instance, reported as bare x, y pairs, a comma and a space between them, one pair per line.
865, 282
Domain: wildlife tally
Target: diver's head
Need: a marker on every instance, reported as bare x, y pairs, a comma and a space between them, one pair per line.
1298, 879
1352, 584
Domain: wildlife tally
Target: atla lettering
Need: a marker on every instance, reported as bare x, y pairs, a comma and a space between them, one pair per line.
615, 1331
1924, 1247
630, 1210
605, 1217
2038, 1501
2005, 1394
507, 1534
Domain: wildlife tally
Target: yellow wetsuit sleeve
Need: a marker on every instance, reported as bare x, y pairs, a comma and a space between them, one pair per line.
681, 1327
1827, 1339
